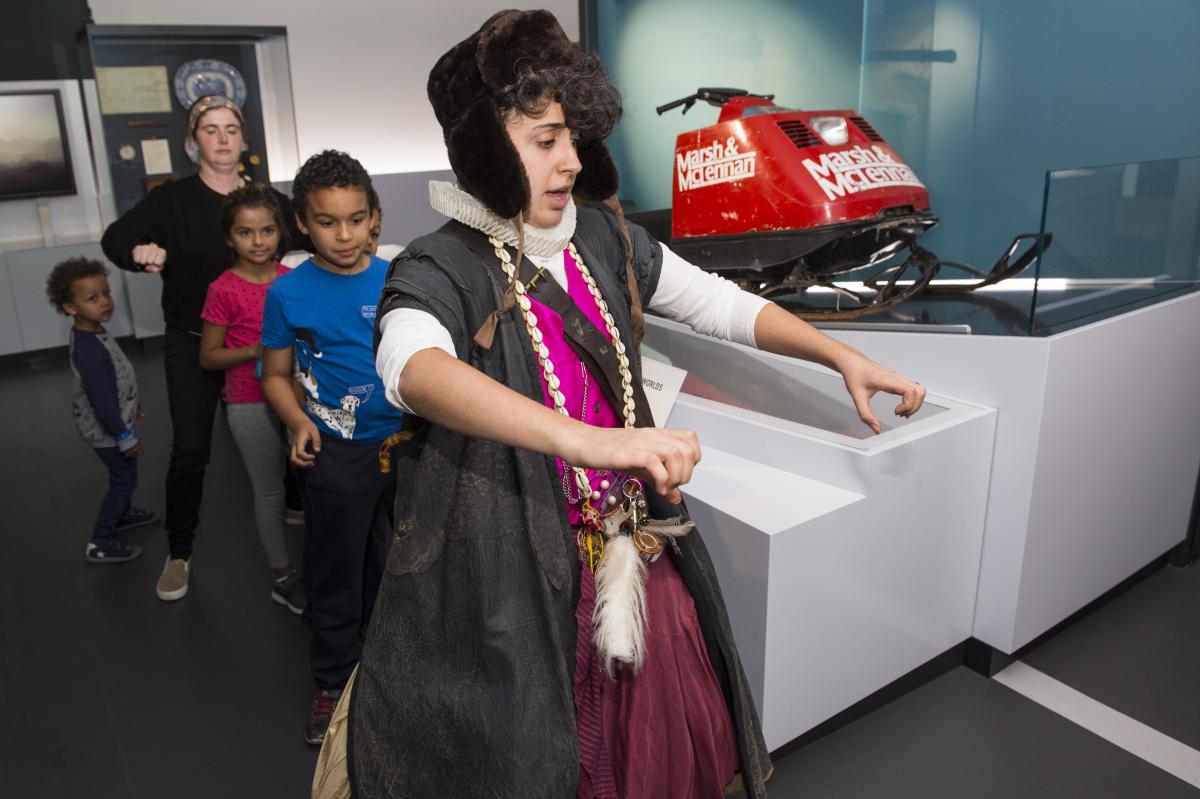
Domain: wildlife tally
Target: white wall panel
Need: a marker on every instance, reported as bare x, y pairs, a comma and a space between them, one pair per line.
74, 218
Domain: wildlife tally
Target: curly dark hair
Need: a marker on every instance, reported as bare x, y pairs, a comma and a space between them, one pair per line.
60, 284
331, 169
253, 195
590, 102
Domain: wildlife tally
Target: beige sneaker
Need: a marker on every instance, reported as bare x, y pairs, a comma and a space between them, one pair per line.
173, 582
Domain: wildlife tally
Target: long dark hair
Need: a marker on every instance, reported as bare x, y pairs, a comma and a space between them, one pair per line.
252, 195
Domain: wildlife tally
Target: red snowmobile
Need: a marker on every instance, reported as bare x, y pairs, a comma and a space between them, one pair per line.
782, 201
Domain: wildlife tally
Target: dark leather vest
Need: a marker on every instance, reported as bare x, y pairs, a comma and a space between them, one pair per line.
465, 684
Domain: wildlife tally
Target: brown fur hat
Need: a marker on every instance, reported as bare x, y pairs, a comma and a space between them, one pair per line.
466, 87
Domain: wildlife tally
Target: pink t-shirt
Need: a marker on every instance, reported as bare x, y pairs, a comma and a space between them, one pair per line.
237, 304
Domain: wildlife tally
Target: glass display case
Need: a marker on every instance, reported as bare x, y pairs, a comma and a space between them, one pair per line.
141, 80
1125, 236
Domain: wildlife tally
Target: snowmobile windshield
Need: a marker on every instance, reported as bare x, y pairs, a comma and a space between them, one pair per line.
756, 110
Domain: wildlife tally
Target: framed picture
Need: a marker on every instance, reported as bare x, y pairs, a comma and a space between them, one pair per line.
35, 159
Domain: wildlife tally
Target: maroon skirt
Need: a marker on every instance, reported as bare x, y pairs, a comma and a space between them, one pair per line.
665, 732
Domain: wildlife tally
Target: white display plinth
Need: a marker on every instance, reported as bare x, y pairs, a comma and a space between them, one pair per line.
846, 559
1096, 457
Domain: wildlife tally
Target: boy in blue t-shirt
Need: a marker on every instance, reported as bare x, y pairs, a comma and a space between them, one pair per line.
321, 315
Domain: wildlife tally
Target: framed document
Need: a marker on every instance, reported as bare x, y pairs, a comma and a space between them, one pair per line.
156, 154
133, 90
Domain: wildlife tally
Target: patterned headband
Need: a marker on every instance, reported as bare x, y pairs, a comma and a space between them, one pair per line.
207, 103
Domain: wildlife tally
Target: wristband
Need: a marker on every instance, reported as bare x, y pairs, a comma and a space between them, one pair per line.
127, 434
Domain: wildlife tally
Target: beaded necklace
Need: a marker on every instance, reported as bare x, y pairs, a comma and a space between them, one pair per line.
591, 534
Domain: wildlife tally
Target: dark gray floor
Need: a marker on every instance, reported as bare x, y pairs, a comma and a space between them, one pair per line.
964, 735
110, 693
1139, 654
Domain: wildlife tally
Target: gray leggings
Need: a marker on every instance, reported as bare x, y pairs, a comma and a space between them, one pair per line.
259, 436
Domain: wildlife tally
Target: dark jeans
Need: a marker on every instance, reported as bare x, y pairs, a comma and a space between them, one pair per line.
291, 489
347, 527
122, 480
192, 395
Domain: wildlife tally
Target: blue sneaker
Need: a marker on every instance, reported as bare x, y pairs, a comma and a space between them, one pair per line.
136, 517
112, 552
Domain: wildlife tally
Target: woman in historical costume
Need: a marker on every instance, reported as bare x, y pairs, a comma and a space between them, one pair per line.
545, 627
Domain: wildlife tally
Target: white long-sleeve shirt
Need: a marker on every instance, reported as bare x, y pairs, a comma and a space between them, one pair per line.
707, 303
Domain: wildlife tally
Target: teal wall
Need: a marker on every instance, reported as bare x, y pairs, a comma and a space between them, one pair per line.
804, 51
981, 97
1034, 85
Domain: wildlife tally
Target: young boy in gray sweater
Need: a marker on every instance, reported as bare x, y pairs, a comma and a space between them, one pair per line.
105, 401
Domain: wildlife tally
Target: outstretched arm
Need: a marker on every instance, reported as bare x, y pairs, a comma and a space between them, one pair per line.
776, 330
716, 307
448, 392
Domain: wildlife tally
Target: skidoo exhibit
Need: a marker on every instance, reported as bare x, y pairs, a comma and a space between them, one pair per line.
787, 202
995, 515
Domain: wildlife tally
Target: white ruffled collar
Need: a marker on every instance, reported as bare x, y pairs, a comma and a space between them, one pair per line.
450, 200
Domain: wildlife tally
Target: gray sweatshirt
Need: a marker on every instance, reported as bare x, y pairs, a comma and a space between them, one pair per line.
105, 393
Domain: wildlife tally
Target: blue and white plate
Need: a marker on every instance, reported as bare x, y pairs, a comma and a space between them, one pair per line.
205, 76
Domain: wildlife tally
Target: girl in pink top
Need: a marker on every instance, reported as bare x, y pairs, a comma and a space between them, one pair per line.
252, 224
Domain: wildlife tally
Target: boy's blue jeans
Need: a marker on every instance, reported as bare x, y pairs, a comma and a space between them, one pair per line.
122, 480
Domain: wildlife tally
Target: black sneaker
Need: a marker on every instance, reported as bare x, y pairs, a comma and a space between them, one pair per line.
136, 517
289, 592
321, 714
112, 552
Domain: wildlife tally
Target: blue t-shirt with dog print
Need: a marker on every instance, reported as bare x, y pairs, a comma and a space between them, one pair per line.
329, 319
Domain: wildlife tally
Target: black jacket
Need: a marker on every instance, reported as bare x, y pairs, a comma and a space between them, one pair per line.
183, 217
465, 687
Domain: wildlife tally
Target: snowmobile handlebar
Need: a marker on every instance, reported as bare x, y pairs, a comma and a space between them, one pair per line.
713, 96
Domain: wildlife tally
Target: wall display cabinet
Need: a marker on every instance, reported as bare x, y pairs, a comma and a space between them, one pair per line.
144, 79
139, 82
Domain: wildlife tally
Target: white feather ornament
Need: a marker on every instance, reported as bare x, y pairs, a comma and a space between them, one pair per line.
619, 619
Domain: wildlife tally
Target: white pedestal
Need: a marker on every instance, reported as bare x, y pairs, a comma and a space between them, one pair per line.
1096, 456
846, 559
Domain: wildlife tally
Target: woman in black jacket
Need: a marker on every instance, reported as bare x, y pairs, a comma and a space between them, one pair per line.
174, 231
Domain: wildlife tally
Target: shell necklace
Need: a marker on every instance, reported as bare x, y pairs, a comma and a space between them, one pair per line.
543, 352
615, 537
592, 533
